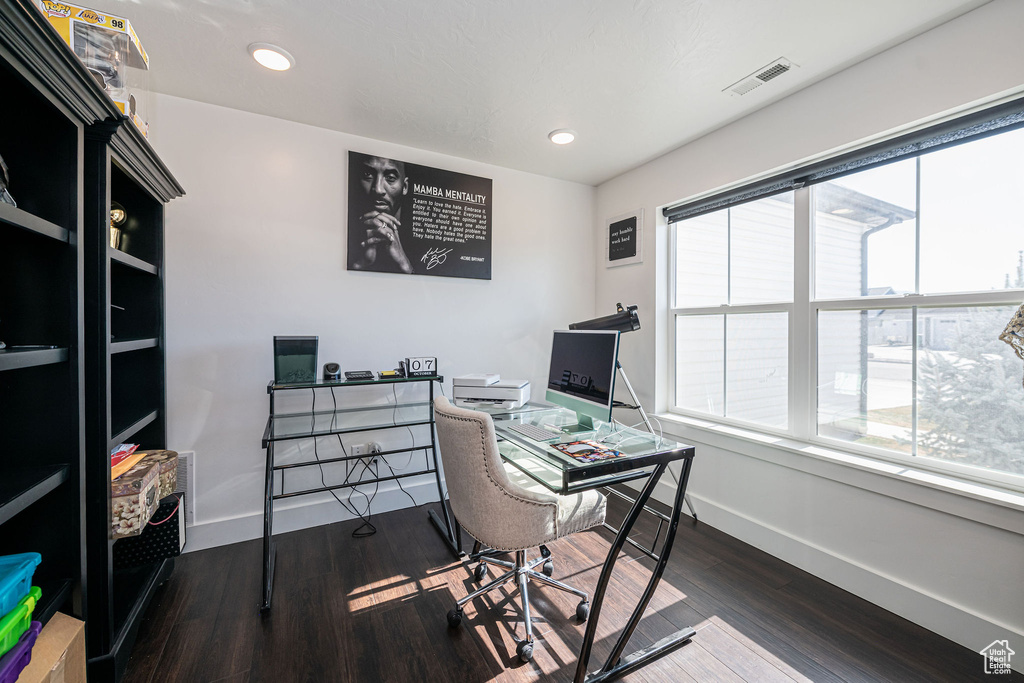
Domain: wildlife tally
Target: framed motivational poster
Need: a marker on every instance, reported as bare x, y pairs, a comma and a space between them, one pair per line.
417, 220
624, 244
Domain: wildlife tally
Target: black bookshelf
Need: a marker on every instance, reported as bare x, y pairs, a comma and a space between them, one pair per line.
42, 451
77, 374
124, 366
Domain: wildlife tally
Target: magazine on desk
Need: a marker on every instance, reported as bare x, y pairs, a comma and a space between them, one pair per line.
586, 451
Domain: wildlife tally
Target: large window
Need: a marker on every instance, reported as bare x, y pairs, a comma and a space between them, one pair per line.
734, 288
864, 308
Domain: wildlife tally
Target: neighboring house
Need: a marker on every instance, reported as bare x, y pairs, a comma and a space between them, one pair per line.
845, 221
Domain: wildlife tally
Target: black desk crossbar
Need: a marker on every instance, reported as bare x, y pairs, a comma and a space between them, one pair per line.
345, 458
269, 436
662, 520
322, 489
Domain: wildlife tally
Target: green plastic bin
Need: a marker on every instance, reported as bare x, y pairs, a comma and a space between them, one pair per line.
18, 620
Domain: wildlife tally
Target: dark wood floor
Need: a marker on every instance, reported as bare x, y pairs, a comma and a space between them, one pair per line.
374, 610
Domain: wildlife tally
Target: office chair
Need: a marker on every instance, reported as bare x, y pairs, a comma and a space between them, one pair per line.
502, 511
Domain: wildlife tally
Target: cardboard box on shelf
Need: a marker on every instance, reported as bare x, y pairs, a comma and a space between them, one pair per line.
107, 46
133, 499
168, 464
59, 653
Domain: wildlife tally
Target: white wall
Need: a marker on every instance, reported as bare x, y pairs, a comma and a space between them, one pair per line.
951, 563
257, 248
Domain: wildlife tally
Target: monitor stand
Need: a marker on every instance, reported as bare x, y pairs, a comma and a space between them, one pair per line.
584, 423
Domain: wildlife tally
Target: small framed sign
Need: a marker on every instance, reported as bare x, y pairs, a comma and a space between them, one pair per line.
625, 243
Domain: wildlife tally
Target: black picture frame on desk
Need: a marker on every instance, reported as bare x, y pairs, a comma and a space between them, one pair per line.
295, 359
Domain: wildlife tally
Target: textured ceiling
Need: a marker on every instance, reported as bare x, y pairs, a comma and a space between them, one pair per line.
487, 79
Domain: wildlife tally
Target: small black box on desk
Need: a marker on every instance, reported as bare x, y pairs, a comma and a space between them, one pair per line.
163, 537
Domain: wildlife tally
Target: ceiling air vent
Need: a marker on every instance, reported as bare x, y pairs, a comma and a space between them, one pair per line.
761, 76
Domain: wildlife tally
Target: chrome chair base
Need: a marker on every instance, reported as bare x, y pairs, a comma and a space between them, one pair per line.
522, 572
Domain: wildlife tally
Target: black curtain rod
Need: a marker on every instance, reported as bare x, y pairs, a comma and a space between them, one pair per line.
998, 119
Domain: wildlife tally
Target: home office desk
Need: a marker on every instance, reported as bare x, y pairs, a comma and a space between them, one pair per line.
327, 422
644, 455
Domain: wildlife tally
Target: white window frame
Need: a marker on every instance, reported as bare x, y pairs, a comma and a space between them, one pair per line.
803, 357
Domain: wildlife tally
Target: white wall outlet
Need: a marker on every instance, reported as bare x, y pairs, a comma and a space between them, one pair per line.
358, 449
375, 447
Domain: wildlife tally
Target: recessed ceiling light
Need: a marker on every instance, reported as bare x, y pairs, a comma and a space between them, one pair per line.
271, 56
841, 212
562, 136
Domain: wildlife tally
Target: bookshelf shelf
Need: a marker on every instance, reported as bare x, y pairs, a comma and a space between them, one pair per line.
20, 488
16, 358
132, 262
27, 221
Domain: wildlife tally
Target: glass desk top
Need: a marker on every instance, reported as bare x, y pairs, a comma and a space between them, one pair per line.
637, 452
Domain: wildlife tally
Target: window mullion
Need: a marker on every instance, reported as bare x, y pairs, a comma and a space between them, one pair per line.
914, 319
725, 366
801, 356
917, 228
913, 380
673, 299
725, 316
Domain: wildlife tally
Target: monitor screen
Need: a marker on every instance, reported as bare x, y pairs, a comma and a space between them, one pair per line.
582, 372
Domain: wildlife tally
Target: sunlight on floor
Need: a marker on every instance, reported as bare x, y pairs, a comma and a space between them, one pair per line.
381, 592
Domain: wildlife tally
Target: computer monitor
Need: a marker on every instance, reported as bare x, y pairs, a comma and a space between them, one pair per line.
582, 374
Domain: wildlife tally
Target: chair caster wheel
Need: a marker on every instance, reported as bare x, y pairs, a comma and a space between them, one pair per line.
548, 568
582, 611
544, 552
480, 572
455, 617
525, 651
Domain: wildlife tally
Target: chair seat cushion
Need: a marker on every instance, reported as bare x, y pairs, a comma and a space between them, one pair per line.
576, 512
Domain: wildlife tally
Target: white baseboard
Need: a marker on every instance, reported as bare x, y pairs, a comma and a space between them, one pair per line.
951, 621
314, 510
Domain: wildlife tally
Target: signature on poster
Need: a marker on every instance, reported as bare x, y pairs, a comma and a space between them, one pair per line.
435, 257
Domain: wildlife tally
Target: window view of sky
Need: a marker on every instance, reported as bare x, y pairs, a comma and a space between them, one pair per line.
971, 224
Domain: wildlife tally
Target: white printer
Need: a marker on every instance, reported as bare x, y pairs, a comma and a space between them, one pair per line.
473, 391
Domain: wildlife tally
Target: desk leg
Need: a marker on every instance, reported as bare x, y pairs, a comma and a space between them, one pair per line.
269, 551
616, 667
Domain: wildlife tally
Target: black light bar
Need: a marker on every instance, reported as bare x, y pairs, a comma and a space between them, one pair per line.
624, 320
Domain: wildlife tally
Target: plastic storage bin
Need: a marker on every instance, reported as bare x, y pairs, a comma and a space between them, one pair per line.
12, 663
17, 620
16, 578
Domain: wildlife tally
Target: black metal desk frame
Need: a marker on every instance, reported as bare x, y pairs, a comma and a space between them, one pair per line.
447, 526
617, 665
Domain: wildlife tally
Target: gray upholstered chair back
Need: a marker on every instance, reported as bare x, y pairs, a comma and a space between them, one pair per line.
487, 503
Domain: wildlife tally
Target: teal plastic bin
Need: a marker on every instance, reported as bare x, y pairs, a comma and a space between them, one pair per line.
16, 578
